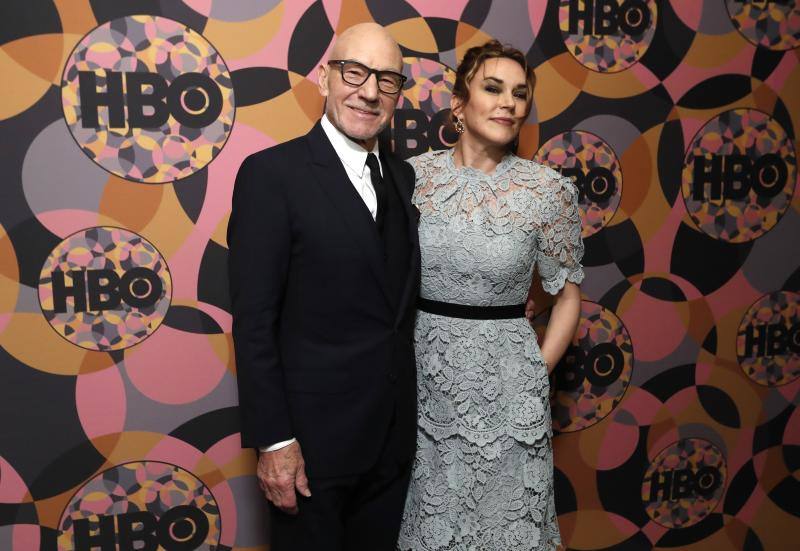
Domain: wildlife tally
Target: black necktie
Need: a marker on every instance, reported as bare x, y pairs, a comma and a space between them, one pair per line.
380, 188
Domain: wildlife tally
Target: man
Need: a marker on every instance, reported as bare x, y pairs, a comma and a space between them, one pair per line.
324, 274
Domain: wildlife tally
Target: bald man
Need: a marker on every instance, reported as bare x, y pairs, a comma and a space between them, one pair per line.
324, 273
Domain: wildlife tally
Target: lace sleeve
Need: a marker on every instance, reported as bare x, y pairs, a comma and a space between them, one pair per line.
560, 246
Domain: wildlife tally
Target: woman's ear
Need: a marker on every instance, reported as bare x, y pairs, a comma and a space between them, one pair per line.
456, 105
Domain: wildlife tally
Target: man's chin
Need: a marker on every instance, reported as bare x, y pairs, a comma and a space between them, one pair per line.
360, 134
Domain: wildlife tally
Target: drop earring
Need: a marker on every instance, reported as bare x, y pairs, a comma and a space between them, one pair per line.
459, 126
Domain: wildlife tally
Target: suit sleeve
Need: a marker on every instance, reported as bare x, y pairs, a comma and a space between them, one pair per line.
259, 242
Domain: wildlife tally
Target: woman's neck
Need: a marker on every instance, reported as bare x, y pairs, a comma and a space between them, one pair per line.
479, 156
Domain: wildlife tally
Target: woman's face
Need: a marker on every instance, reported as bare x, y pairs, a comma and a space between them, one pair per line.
497, 103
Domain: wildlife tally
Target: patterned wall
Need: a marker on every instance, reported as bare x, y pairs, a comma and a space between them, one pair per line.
675, 407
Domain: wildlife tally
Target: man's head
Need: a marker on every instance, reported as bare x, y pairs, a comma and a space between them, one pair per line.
361, 112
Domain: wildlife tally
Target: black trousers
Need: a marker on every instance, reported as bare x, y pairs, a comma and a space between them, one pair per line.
350, 513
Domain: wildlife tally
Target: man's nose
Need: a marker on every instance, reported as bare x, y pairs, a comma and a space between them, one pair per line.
369, 90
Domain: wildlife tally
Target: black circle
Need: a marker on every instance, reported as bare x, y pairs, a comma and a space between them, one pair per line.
183, 529
140, 287
603, 365
597, 190
195, 100
768, 176
636, 11
706, 481
610, 359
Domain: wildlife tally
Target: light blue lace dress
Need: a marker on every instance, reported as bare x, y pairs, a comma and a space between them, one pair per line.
483, 474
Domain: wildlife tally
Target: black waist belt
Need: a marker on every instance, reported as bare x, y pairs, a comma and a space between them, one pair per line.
466, 311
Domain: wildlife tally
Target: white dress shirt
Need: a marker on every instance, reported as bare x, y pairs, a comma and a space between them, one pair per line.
354, 159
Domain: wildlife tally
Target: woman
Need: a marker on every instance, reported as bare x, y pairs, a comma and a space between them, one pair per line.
483, 474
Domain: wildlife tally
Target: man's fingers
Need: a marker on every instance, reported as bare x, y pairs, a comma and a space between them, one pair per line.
301, 482
286, 501
262, 483
283, 494
281, 474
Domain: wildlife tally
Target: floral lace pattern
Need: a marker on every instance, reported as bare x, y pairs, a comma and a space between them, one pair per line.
483, 472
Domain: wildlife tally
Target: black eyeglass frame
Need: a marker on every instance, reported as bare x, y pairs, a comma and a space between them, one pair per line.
370, 71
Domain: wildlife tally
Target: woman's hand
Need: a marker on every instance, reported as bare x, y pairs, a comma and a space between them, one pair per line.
562, 325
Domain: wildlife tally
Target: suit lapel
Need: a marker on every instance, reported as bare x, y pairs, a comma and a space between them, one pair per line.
336, 185
399, 179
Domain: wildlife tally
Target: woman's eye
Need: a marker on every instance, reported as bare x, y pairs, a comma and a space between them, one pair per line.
521, 95
492, 89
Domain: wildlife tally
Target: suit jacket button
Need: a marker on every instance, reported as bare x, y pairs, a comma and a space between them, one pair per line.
392, 376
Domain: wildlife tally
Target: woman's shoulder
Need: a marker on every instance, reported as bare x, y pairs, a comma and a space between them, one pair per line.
543, 177
429, 158
535, 170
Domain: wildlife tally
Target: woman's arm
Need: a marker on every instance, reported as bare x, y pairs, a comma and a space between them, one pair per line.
562, 325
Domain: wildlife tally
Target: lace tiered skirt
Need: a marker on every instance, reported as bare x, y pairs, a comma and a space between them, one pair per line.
483, 474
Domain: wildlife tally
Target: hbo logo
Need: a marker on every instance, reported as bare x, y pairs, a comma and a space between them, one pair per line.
414, 133
193, 99
602, 366
772, 339
598, 185
733, 176
182, 528
104, 289
605, 17
683, 483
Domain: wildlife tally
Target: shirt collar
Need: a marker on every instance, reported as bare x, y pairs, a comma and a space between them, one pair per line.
351, 154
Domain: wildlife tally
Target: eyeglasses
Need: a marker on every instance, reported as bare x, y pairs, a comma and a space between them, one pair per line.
356, 74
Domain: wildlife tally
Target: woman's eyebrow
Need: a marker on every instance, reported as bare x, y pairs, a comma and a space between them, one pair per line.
500, 81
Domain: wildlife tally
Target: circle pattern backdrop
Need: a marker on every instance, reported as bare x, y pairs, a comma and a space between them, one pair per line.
126, 280
167, 98
141, 495
675, 407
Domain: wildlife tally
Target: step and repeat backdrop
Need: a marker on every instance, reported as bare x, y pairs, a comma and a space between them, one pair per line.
123, 124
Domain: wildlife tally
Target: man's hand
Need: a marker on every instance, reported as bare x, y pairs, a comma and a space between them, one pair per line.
280, 473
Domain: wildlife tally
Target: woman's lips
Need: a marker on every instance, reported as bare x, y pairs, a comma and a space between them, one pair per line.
502, 120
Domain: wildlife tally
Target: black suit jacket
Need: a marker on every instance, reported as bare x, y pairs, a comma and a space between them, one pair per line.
323, 353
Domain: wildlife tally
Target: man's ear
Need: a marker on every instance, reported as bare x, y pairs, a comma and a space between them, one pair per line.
323, 72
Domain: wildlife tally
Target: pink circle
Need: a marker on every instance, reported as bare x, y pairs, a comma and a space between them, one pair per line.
64, 222
536, 11
26, 536
619, 443
101, 402
175, 452
174, 367
682, 400
625, 526
227, 510
203, 7
226, 450
791, 435
446, 10
12, 487
656, 323
689, 12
